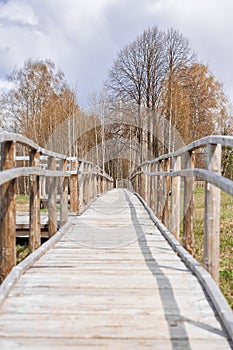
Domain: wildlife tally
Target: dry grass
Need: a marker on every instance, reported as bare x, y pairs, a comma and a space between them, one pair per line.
22, 203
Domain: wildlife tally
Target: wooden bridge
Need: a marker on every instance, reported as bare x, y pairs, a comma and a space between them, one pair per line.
112, 276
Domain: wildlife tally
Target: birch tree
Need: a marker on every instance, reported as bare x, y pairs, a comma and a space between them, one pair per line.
39, 101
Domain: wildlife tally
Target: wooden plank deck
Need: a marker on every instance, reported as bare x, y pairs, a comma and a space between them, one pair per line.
111, 282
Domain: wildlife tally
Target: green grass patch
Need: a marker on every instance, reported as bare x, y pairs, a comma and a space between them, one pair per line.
22, 251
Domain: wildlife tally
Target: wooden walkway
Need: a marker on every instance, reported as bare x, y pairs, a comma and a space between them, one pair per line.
111, 282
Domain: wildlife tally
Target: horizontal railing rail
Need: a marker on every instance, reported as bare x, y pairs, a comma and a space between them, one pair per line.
81, 178
158, 181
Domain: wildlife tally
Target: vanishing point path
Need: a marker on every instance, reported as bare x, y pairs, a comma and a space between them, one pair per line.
109, 281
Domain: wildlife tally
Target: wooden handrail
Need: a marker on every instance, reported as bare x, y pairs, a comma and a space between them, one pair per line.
226, 141
182, 165
86, 181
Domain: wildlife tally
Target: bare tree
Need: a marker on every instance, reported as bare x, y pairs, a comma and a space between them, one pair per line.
142, 71
138, 70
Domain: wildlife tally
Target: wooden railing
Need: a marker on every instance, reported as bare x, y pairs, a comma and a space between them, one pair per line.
159, 183
82, 178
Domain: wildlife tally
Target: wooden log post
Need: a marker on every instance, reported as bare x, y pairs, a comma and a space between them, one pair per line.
63, 194
99, 177
90, 187
80, 185
189, 184
147, 185
85, 184
136, 179
94, 182
142, 184
52, 199
155, 191
43, 185
74, 186
175, 200
8, 212
212, 214
151, 189
160, 191
107, 184
34, 215
166, 194
104, 183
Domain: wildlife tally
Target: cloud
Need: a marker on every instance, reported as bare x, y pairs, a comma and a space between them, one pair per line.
83, 37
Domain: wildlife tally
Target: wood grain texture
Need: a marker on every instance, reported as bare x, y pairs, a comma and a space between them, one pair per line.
212, 214
7, 212
34, 221
112, 282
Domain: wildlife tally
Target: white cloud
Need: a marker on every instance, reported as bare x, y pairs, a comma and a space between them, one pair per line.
17, 12
83, 37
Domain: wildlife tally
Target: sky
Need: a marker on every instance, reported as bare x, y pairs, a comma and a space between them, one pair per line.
83, 37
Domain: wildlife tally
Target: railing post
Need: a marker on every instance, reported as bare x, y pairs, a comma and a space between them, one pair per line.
99, 186
52, 199
189, 183
8, 212
34, 221
80, 189
166, 194
212, 214
147, 184
63, 194
85, 184
175, 194
142, 184
90, 194
136, 183
94, 182
104, 183
151, 188
74, 187
43, 184
160, 192
155, 191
